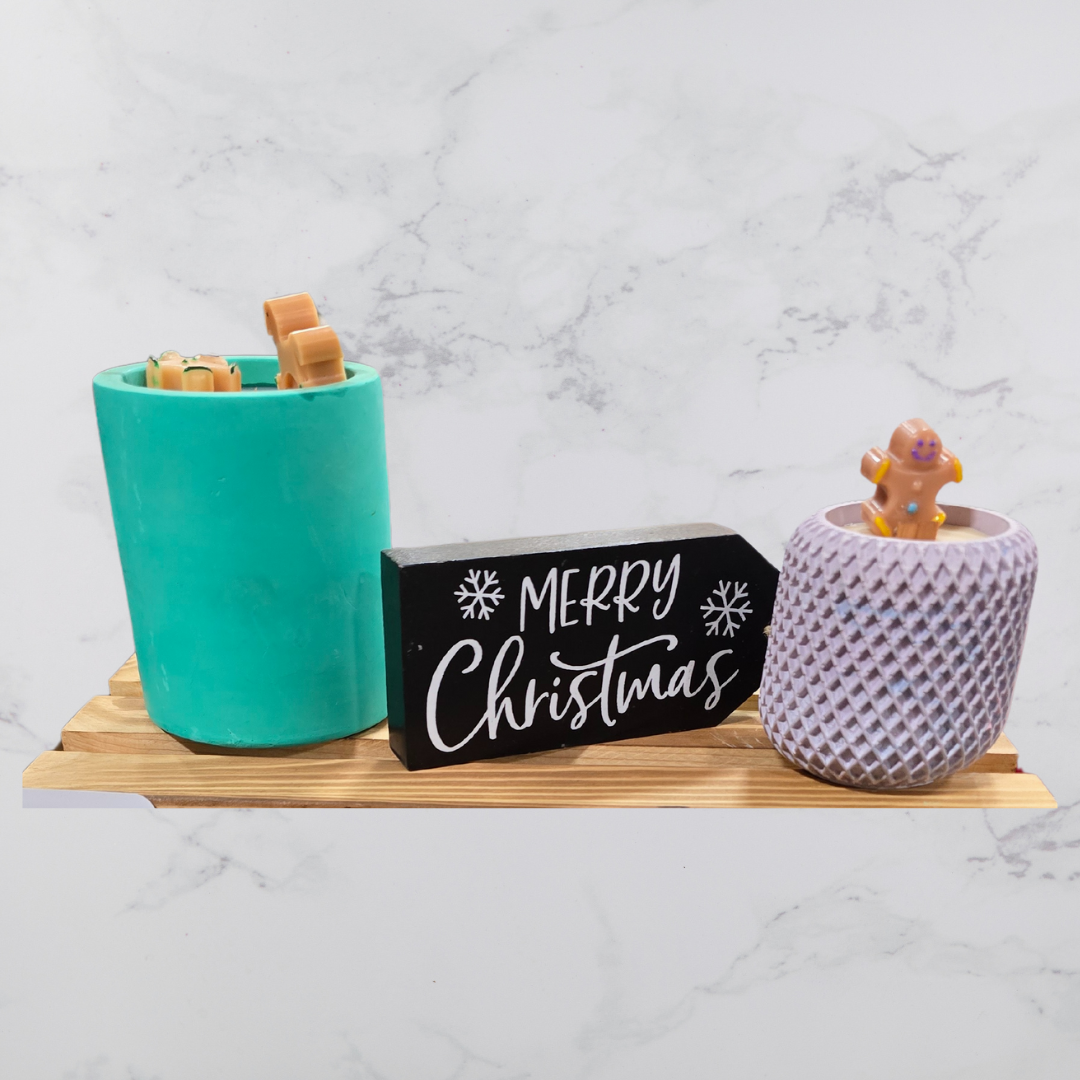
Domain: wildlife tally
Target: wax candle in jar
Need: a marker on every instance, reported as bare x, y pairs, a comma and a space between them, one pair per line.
205, 373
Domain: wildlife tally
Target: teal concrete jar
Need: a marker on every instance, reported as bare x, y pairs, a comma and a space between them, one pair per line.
249, 526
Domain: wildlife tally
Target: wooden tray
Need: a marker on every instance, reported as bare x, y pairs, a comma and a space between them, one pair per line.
111, 744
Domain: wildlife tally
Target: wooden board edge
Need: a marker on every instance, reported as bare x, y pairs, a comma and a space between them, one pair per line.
730, 786
1038, 798
121, 726
125, 681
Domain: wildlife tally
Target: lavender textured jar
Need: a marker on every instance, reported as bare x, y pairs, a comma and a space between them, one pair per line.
891, 663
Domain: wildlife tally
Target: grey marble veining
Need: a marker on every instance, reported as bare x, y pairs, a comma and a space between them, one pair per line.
619, 265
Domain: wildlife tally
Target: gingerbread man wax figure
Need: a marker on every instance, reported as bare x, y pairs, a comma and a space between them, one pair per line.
908, 476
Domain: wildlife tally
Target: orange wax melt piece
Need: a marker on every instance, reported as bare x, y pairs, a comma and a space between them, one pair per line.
284, 314
312, 357
308, 354
909, 476
197, 378
171, 371
226, 375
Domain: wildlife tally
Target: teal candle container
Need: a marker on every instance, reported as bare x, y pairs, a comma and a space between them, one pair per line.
250, 526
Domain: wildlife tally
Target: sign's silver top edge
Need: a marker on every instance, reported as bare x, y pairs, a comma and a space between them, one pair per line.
538, 545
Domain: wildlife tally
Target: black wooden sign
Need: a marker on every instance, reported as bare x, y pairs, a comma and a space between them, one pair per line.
520, 645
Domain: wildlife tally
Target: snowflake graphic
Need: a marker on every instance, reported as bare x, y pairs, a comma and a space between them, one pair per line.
729, 609
478, 599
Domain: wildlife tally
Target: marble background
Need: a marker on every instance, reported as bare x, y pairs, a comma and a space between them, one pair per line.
619, 264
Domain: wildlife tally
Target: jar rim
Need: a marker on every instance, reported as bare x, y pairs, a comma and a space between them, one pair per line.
994, 525
256, 371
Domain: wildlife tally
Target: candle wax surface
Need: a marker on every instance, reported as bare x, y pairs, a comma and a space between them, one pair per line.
947, 534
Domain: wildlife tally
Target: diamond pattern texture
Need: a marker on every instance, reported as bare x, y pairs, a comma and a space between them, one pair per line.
891, 663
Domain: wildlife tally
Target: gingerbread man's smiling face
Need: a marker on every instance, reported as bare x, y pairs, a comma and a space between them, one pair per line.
917, 443
925, 450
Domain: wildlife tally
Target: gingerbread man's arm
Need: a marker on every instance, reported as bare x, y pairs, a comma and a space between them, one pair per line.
875, 464
952, 462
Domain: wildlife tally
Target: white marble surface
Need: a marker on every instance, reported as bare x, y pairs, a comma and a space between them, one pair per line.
619, 264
